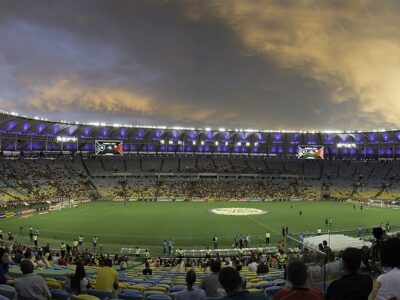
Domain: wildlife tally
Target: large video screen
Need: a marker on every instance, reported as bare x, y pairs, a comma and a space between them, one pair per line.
310, 152
109, 148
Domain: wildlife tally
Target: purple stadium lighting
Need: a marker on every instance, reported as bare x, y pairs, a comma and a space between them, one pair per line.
105, 132
11, 125
26, 127
41, 128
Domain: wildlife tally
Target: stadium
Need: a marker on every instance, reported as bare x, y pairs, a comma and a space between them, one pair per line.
118, 182
199, 150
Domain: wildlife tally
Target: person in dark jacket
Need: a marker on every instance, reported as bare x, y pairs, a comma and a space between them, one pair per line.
352, 285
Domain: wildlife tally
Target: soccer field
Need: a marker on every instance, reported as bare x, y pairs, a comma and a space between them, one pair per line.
188, 224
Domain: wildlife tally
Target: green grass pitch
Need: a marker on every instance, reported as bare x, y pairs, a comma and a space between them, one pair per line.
189, 224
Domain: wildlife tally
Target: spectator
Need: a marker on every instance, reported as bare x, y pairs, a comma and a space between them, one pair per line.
233, 284
79, 281
189, 293
4, 264
262, 268
352, 285
147, 270
326, 248
298, 277
210, 283
62, 261
107, 277
252, 266
31, 286
28, 255
123, 265
388, 284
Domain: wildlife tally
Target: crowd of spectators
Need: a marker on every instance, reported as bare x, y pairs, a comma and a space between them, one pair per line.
29, 179
223, 275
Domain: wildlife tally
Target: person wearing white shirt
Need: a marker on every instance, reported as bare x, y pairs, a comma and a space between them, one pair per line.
253, 266
388, 284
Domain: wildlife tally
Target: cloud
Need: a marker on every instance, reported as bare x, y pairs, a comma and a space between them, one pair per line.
351, 46
66, 94
69, 94
262, 64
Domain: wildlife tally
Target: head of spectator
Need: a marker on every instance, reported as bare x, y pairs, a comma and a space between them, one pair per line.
28, 254
230, 279
377, 232
389, 253
215, 266
351, 259
108, 262
190, 279
26, 266
297, 273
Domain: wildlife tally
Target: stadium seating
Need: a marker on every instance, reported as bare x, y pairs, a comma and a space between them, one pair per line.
7, 291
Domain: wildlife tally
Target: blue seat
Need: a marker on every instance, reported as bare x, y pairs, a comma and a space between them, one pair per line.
264, 285
100, 294
269, 292
177, 288
158, 297
59, 294
130, 294
7, 291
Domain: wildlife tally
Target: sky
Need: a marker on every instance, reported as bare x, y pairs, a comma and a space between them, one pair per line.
284, 64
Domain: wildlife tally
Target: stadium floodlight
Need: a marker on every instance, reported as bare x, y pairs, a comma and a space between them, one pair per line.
202, 143
226, 143
208, 129
346, 145
248, 144
162, 142
256, 144
221, 129
216, 143
64, 139
170, 142
239, 143
179, 142
194, 143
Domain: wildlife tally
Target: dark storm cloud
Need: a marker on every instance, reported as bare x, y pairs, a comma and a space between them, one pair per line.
179, 63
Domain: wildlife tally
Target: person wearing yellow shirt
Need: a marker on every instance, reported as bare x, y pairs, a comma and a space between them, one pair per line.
107, 277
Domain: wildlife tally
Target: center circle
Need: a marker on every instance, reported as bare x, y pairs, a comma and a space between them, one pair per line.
237, 211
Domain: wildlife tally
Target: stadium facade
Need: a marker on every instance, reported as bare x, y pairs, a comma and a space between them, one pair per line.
25, 134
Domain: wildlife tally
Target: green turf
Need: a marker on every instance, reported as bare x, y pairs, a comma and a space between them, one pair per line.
190, 225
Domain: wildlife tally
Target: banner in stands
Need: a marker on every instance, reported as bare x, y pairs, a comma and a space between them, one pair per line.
197, 200
27, 212
109, 148
255, 200
165, 200
310, 152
